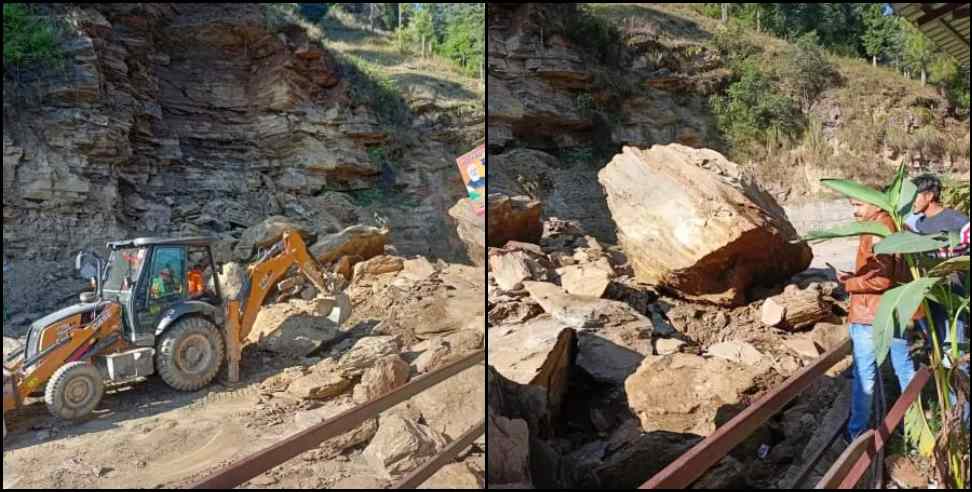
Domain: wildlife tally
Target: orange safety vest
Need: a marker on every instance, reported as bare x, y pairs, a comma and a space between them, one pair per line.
195, 283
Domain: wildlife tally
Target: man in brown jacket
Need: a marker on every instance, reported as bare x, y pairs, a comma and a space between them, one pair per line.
874, 275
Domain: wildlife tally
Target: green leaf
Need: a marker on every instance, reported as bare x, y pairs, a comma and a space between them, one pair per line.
894, 191
907, 198
849, 230
917, 431
859, 192
955, 265
909, 242
954, 240
897, 307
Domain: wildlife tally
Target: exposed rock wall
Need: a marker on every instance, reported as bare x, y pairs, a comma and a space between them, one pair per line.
190, 119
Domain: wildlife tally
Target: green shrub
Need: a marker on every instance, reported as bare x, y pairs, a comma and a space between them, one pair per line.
805, 71
464, 42
577, 155
28, 37
752, 112
276, 16
369, 87
313, 12
734, 44
598, 36
956, 195
585, 104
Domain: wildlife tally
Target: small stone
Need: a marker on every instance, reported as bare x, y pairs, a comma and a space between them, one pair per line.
904, 473
739, 352
264, 481
803, 347
665, 346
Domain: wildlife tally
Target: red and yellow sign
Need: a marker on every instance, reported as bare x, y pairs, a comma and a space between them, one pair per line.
473, 169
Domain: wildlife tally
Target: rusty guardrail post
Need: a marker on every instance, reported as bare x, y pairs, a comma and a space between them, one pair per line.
248, 468
880, 437
425, 472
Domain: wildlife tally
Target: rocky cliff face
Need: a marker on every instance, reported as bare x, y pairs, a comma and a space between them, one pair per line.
562, 104
186, 119
554, 119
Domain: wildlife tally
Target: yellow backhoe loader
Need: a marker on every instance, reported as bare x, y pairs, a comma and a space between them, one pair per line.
152, 311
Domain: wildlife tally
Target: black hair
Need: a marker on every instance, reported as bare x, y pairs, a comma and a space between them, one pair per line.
929, 184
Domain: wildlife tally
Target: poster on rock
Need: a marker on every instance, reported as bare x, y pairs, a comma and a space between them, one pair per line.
473, 169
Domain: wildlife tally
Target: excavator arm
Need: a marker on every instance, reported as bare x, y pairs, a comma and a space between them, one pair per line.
291, 251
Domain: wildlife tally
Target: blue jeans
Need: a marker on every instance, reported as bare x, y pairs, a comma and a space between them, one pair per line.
865, 373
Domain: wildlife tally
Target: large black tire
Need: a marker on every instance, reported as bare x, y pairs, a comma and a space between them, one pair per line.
190, 354
74, 391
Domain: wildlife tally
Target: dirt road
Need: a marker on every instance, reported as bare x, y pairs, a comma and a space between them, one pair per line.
150, 436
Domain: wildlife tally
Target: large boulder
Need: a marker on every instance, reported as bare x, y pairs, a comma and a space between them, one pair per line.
384, 376
319, 386
471, 228
265, 234
294, 329
366, 352
508, 453
692, 221
455, 476
684, 393
364, 242
513, 219
456, 405
379, 265
401, 446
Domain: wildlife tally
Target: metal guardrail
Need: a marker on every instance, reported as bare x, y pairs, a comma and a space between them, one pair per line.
255, 465
812, 462
847, 472
425, 472
693, 464
842, 466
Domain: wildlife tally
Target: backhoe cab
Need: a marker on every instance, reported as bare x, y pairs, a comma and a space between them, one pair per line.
156, 307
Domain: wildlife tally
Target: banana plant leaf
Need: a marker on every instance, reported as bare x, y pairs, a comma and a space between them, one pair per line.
902, 192
860, 192
909, 242
848, 230
955, 265
897, 307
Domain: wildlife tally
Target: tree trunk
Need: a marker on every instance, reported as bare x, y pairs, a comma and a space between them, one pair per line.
795, 309
924, 77
725, 12
759, 19
399, 16
874, 60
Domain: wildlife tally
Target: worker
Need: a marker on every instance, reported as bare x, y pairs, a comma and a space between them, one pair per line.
873, 276
931, 217
164, 285
196, 283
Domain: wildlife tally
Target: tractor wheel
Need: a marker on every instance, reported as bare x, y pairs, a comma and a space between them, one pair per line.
74, 390
190, 354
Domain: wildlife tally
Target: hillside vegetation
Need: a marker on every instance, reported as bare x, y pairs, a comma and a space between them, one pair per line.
797, 94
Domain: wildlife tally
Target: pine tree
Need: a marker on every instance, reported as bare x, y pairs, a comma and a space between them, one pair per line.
918, 51
880, 33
